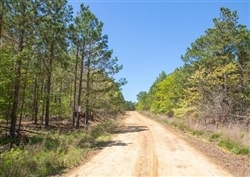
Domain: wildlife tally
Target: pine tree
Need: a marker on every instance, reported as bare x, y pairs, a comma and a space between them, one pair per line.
54, 32
18, 31
96, 58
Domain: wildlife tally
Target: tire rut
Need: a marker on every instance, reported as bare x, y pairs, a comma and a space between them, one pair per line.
147, 162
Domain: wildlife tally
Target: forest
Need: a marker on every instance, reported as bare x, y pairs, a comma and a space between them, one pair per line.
52, 63
213, 84
54, 67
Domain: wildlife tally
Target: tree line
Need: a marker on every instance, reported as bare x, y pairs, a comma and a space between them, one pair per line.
213, 84
54, 64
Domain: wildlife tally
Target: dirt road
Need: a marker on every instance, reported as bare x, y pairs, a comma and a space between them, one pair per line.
146, 148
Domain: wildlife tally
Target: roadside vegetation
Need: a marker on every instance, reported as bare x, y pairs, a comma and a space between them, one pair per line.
53, 152
210, 94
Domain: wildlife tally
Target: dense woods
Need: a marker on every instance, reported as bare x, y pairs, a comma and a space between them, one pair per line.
213, 84
54, 65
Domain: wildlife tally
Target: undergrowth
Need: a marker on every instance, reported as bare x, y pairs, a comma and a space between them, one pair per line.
49, 154
234, 147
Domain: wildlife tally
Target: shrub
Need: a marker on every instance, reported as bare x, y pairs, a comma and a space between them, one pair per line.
214, 137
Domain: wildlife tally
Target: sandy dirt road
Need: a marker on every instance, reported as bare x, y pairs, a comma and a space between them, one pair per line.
145, 148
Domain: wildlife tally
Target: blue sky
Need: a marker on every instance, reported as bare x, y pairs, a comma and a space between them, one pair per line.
149, 37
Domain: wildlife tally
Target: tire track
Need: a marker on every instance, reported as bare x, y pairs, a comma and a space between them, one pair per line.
147, 162
175, 156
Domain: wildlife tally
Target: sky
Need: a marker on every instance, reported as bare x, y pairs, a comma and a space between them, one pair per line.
149, 36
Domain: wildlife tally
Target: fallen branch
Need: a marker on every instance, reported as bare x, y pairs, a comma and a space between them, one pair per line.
31, 131
25, 130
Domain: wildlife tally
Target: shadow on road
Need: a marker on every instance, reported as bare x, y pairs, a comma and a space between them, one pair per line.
103, 144
132, 129
125, 129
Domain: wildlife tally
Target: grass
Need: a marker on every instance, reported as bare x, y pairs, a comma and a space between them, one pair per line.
214, 137
50, 154
43, 158
234, 147
183, 127
197, 133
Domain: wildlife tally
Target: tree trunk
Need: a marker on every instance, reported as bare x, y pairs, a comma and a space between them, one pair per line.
7, 115
44, 98
87, 92
16, 88
80, 91
1, 20
75, 82
35, 102
47, 111
60, 99
23, 96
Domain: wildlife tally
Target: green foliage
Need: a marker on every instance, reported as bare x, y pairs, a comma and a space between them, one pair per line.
129, 106
13, 163
214, 137
107, 97
234, 147
104, 128
164, 94
169, 92
97, 65
40, 50
143, 103
197, 133
217, 63
48, 154
7, 63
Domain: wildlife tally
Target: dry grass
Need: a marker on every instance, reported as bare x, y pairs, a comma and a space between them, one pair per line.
235, 133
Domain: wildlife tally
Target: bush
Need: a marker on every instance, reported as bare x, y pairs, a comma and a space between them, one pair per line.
214, 137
